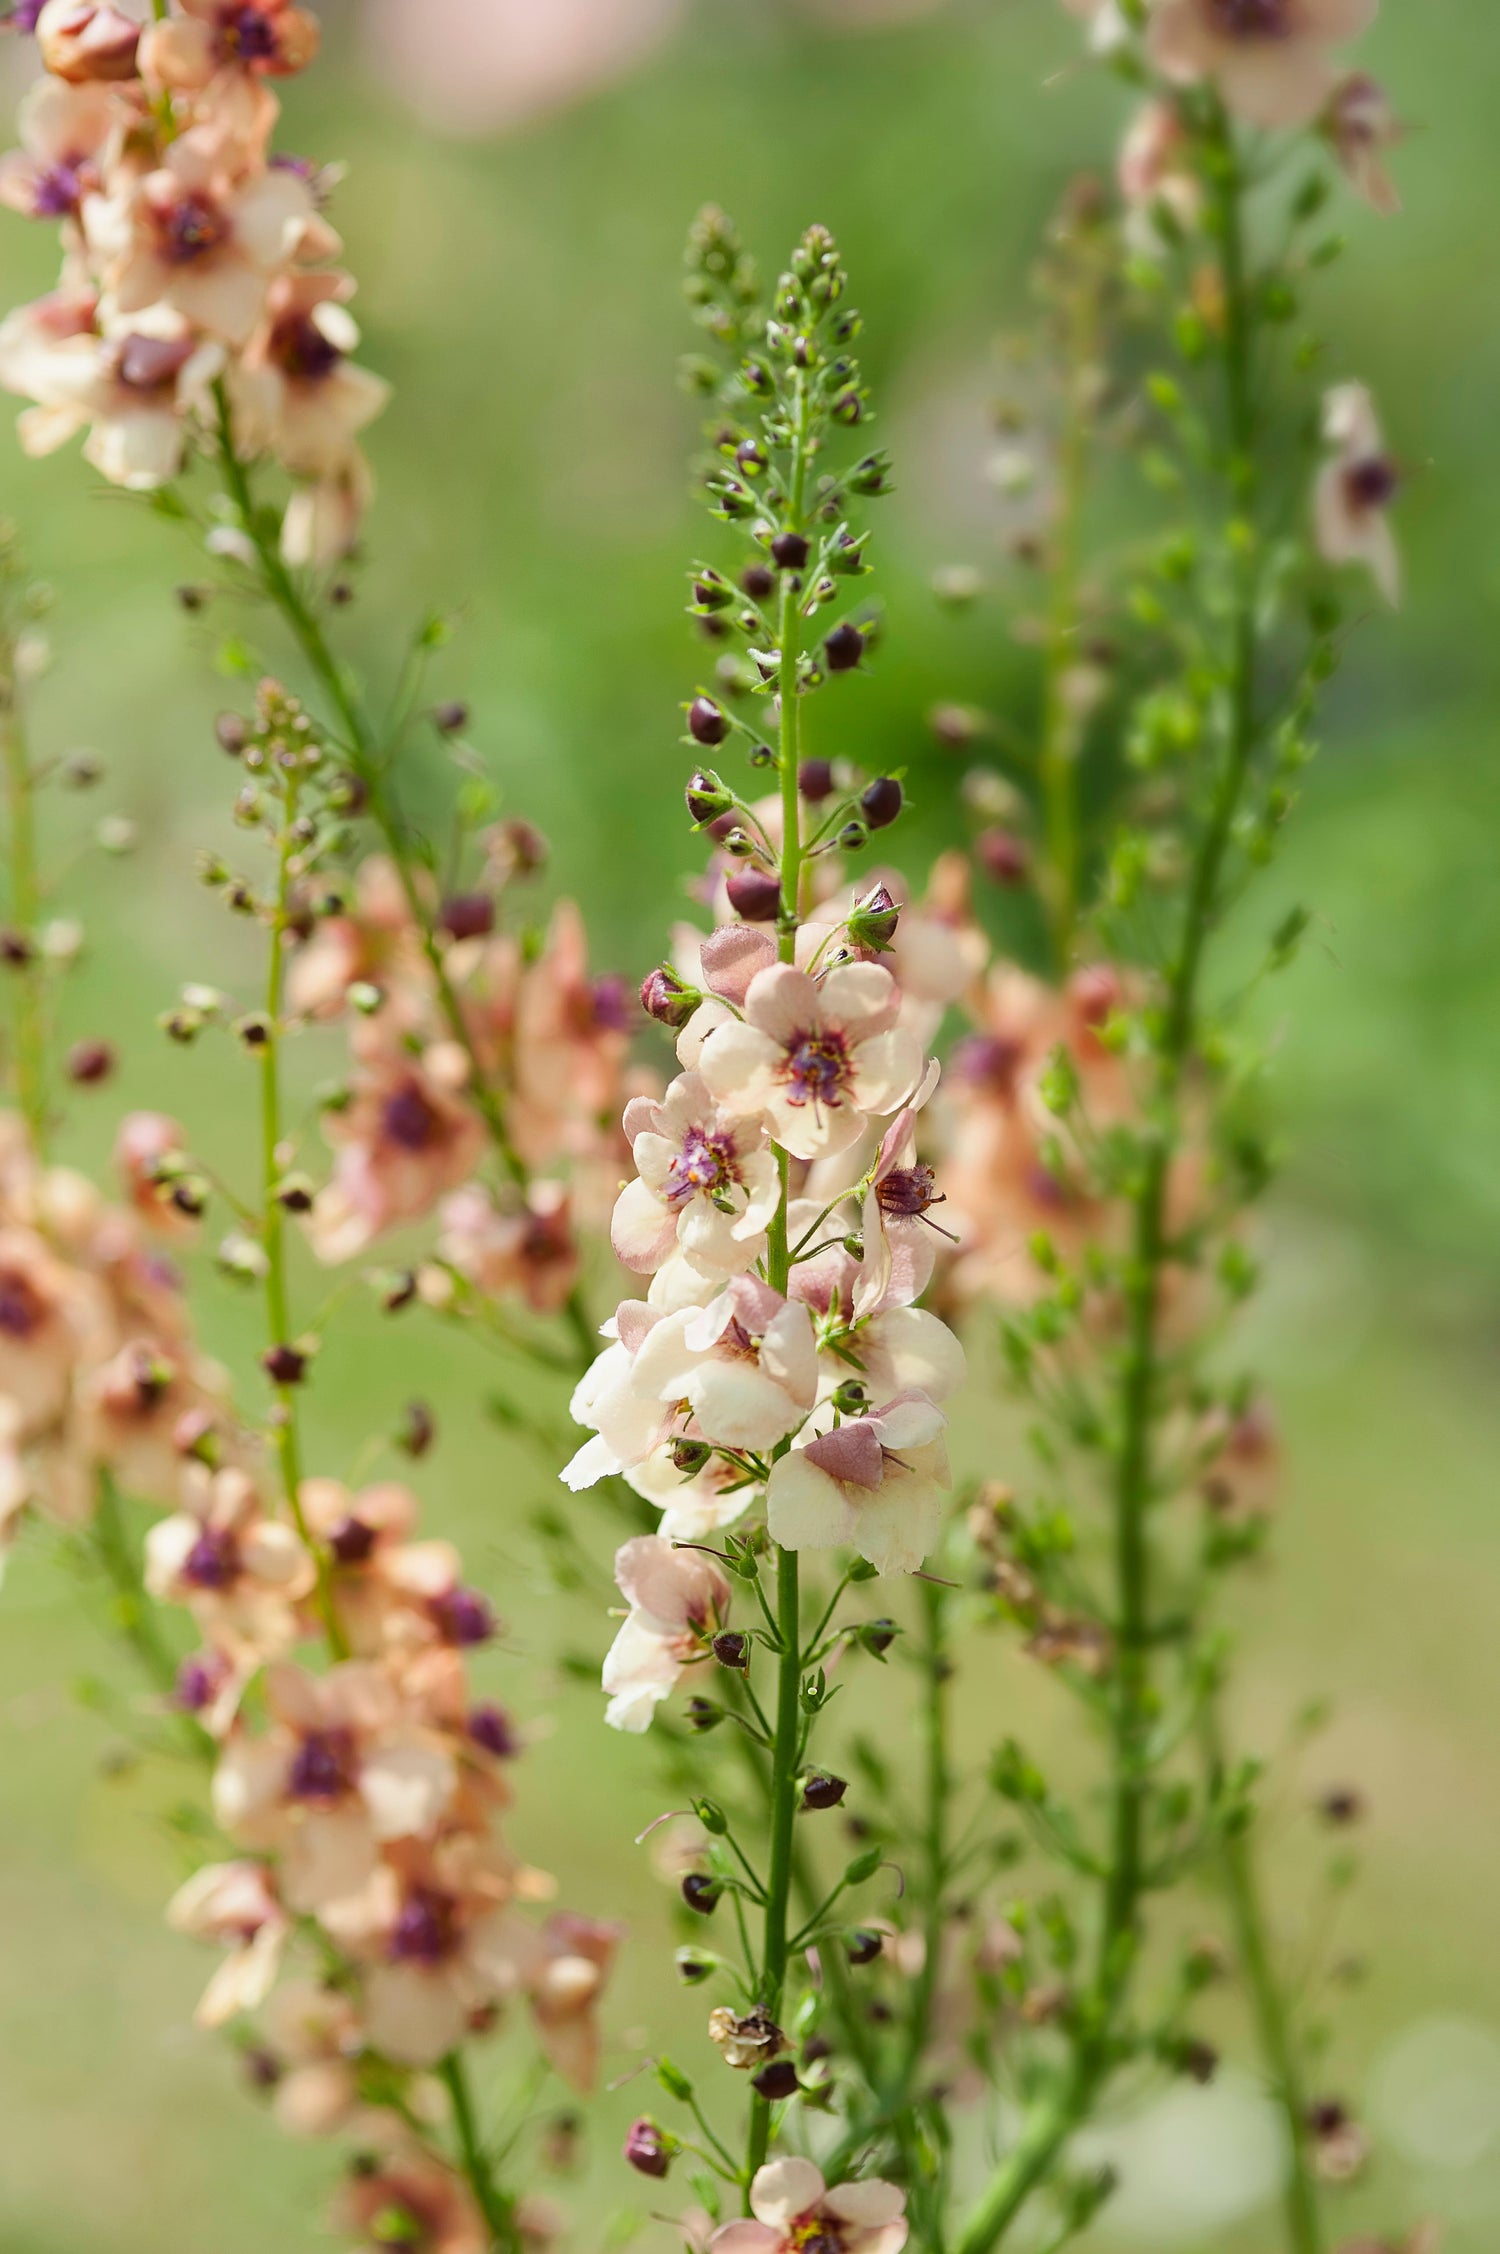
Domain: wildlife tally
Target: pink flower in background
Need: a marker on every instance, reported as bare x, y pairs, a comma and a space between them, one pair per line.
1269, 58
677, 1598
1362, 126
1355, 490
478, 66
63, 131
443, 2217
565, 1986
796, 2213
235, 1905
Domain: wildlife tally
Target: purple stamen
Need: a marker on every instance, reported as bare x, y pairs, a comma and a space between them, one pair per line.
352, 1541
58, 192
213, 1562
493, 1732
325, 1766
191, 229
463, 1617
301, 350
818, 1069
426, 1930
409, 1120
247, 35
21, 1308
705, 1162
1372, 484
1252, 19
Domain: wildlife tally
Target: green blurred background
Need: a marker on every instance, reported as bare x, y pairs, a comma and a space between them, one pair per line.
521, 290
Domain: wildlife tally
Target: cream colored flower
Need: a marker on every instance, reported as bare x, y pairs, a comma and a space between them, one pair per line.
677, 1599
234, 1904
1268, 58
817, 1058
874, 1484
1355, 490
795, 2213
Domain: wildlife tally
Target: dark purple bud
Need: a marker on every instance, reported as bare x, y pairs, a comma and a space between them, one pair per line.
263, 2070
701, 1892
665, 997
1342, 1805
758, 582
493, 1731
873, 920
468, 915
862, 1946
712, 593
693, 1967
706, 723
16, 949
324, 1766
815, 780
877, 1636
418, 1430
844, 648
881, 801
776, 2081
463, 1617
614, 1004
1003, 855
198, 1681
1200, 2060
352, 1542
294, 1194
646, 2149
791, 550
450, 719
90, 1062
707, 799
283, 1365
232, 733
754, 894
690, 1456
703, 1716
820, 1791
732, 1650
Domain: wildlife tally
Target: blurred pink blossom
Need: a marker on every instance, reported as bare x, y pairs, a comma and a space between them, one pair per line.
477, 66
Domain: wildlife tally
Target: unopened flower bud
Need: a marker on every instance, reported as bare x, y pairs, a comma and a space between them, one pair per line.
87, 43
707, 799
815, 780
732, 1650
648, 2150
701, 1892
754, 894
877, 1636
232, 733
862, 1946
695, 1966
776, 2081
872, 475
82, 770
16, 950
253, 1031
294, 1193
690, 1456
790, 550
881, 802
851, 1399
450, 719
844, 648
711, 592
873, 920
283, 1365
822, 1791
417, 1430
1003, 855
703, 1716
90, 1062
758, 582
853, 837
468, 915
706, 723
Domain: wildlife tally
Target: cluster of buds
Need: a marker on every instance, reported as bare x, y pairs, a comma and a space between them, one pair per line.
200, 301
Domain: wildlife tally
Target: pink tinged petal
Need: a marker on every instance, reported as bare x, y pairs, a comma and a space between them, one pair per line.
868, 2204
738, 1405
909, 1421
270, 215
783, 2190
738, 1063
805, 1509
1277, 85
653, 1154
642, 1231
851, 1454
413, 2017
406, 1789
746, 2238
761, 1178
885, 1070
920, 1352
244, 1980
902, 1525
640, 1669
734, 956
708, 1018
783, 1003
789, 1354
634, 1322
642, 1116
1338, 20
224, 295
815, 1130
330, 1862
671, 1584
715, 1241
862, 998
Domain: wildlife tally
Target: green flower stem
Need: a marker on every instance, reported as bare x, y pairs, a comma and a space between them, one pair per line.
497, 2208
273, 1235
1302, 2208
1056, 2115
362, 744
788, 1717
25, 900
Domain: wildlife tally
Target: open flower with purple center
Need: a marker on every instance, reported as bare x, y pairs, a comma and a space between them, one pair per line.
817, 1057
874, 1484
1355, 489
793, 2211
708, 1183
241, 1574
64, 130
1269, 58
677, 1599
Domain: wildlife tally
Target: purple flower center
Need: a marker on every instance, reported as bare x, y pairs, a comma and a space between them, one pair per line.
300, 349
58, 191
1252, 19
192, 229
352, 1541
21, 1309
198, 1681
247, 35
213, 1562
612, 1005
493, 1731
1372, 484
705, 1162
463, 1616
426, 1930
409, 1120
817, 1068
817, 2234
325, 1766
908, 1192
152, 363
988, 1060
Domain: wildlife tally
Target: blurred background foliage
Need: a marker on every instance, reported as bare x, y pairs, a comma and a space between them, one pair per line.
520, 287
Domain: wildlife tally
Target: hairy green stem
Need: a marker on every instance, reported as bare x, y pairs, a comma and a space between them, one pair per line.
497, 2208
25, 901
1052, 2121
1273, 2023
